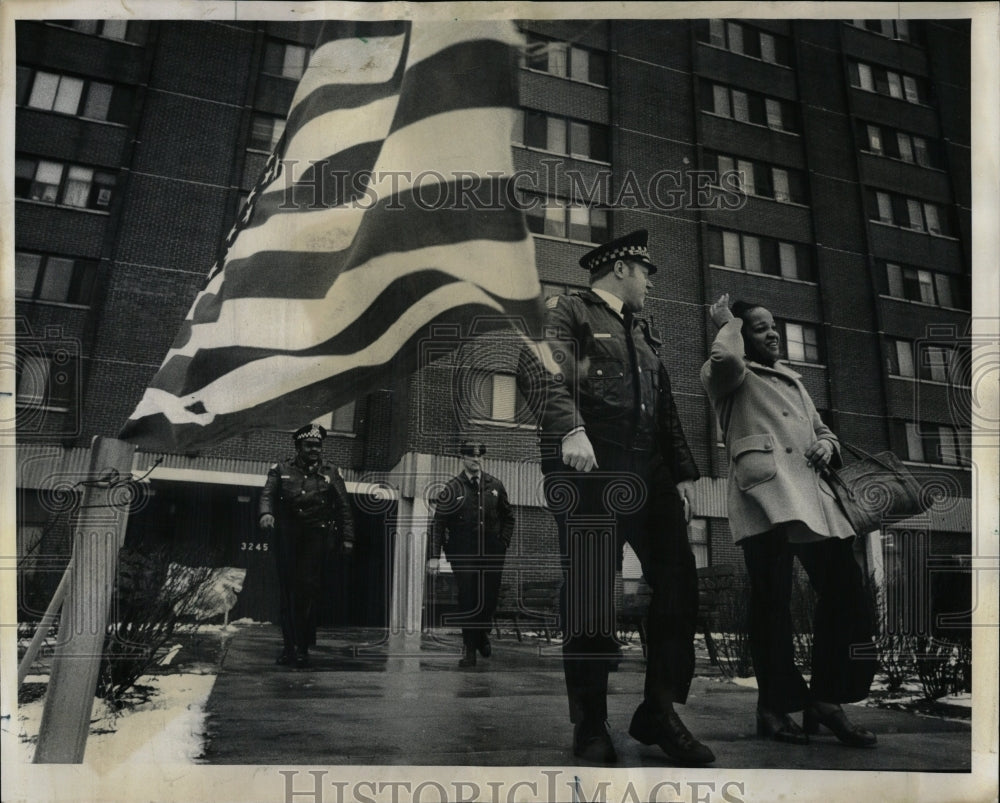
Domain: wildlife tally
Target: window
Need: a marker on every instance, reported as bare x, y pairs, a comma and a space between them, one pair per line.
763, 180
493, 396
698, 537
45, 380
285, 59
910, 213
802, 342
934, 443
748, 107
558, 217
57, 183
901, 359
739, 251
929, 362
882, 140
549, 132
893, 29
265, 131
133, 31
566, 61
746, 40
550, 289
924, 286
44, 277
340, 420
873, 78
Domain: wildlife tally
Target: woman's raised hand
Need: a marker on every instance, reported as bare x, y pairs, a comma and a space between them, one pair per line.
720, 312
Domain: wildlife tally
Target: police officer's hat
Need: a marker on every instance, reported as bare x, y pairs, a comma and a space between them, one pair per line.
309, 431
472, 448
631, 247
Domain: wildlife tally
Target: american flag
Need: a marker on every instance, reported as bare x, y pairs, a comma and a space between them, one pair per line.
386, 208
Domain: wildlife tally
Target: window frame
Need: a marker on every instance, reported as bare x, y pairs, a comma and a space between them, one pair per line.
552, 202
116, 110
531, 118
759, 179
909, 213
95, 187
805, 328
741, 39
889, 83
52, 369
751, 102
79, 287
568, 60
769, 250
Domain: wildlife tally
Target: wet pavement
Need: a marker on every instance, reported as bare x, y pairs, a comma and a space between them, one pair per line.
365, 700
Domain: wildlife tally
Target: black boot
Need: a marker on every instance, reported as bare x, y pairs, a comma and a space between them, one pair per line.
665, 729
592, 742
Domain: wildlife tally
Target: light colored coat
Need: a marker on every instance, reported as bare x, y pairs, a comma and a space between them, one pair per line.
769, 422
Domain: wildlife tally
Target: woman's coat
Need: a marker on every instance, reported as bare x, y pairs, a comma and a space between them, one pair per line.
769, 422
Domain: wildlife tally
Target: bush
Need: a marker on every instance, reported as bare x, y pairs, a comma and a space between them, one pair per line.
803, 607
944, 667
733, 642
150, 601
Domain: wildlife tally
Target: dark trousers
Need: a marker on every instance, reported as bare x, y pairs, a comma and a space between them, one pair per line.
843, 661
629, 498
478, 581
299, 553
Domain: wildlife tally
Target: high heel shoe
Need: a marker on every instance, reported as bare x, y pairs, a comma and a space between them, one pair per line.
837, 721
780, 727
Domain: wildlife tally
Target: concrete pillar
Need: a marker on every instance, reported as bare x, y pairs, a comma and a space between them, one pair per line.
409, 553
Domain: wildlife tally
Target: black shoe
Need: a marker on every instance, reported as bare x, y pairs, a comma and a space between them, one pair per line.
284, 659
592, 742
301, 658
468, 657
668, 732
485, 648
780, 727
842, 727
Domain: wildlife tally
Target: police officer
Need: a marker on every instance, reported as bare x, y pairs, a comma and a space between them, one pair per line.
473, 523
614, 453
305, 504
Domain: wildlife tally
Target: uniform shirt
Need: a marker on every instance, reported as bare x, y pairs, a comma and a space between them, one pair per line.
472, 518
611, 382
315, 496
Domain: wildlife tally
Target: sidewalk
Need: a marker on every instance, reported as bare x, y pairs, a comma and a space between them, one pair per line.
412, 705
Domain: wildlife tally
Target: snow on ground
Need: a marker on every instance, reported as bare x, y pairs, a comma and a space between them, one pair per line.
168, 729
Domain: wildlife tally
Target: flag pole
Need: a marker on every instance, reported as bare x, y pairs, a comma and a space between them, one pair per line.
97, 537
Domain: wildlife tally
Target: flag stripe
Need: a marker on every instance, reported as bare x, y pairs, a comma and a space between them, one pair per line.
185, 375
419, 154
271, 322
314, 272
242, 387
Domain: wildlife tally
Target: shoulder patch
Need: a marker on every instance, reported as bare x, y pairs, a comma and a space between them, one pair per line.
552, 302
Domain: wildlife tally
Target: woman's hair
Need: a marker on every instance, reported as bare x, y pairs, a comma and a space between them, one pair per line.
740, 307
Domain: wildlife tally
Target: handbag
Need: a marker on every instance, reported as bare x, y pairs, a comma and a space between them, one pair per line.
876, 487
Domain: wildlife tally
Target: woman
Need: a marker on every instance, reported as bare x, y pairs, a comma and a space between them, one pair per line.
781, 508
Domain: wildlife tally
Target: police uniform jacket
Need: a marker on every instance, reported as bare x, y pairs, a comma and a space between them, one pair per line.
769, 421
309, 497
468, 522
613, 385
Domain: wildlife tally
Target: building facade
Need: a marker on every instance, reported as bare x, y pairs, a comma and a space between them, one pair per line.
821, 168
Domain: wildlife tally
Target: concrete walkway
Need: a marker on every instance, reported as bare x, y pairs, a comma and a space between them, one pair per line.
408, 703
